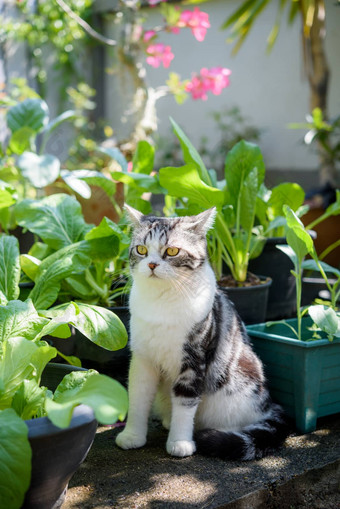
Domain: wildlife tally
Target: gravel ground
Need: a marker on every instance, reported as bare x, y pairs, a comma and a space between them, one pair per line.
305, 473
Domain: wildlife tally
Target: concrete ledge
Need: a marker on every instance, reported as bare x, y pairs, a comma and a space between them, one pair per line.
305, 473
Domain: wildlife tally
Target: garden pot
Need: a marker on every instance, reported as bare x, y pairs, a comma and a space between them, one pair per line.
92, 356
314, 287
57, 453
274, 263
250, 301
303, 376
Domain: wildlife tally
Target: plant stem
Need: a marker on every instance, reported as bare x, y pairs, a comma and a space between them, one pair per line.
102, 292
298, 298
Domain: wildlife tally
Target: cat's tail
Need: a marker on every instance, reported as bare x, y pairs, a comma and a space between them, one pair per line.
252, 442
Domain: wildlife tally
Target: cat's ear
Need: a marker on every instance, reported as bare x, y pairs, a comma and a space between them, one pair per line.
134, 215
205, 220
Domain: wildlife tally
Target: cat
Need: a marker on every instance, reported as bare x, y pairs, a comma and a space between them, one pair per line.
191, 355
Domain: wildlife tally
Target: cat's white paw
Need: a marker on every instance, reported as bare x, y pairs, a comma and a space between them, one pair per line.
128, 440
180, 448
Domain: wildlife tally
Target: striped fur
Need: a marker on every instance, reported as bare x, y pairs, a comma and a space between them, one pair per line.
192, 359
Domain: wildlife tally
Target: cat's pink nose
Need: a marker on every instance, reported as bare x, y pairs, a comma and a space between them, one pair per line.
153, 265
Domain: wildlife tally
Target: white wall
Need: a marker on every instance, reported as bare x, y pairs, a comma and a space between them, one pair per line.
269, 89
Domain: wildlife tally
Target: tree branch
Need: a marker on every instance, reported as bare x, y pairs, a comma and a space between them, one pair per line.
88, 29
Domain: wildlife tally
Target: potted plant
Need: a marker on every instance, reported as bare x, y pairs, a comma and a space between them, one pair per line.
45, 436
235, 239
273, 262
77, 261
28, 167
302, 355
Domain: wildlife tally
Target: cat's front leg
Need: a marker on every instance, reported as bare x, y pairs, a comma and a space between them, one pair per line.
180, 439
143, 380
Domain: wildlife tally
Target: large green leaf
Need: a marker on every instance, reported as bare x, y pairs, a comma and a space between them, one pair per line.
246, 204
54, 269
57, 219
20, 319
326, 319
29, 400
81, 180
31, 113
9, 269
143, 158
297, 236
185, 182
312, 265
287, 193
6, 199
15, 367
40, 171
139, 181
190, 154
115, 154
15, 460
98, 324
21, 140
107, 397
240, 163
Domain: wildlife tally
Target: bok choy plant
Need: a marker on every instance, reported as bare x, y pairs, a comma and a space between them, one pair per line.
23, 356
73, 259
300, 244
98, 324
235, 238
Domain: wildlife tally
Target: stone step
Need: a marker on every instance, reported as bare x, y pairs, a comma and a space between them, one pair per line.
305, 473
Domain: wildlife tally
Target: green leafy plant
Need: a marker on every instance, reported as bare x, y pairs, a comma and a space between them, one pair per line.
98, 324
23, 357
300, 244
73, 259
235, 239
270, 203
26, 166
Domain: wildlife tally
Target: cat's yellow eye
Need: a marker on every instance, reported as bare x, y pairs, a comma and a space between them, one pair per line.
142, 250
172, 251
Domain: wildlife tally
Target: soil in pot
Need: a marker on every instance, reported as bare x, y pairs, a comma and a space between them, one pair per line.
250, 299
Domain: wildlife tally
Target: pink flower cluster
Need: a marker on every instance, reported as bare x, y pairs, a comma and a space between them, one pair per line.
213, 80
196, 20
159, 54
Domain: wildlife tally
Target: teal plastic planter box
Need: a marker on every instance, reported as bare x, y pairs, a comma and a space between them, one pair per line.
303, 376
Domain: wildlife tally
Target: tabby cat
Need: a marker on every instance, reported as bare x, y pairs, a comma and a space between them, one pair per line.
191, 356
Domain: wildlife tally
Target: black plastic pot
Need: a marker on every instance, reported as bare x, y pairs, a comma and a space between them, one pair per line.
250, 301
314, 287
57, 453
275, 264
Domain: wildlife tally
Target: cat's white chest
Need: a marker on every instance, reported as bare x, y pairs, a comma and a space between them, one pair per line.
158, 331
161, 321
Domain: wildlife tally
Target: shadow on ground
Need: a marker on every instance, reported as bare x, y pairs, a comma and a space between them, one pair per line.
304, 473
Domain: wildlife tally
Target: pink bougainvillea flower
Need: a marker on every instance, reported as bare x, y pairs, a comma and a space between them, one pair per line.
197, 20
213, 80
196, 88
148, 34
159, 54
216, 78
